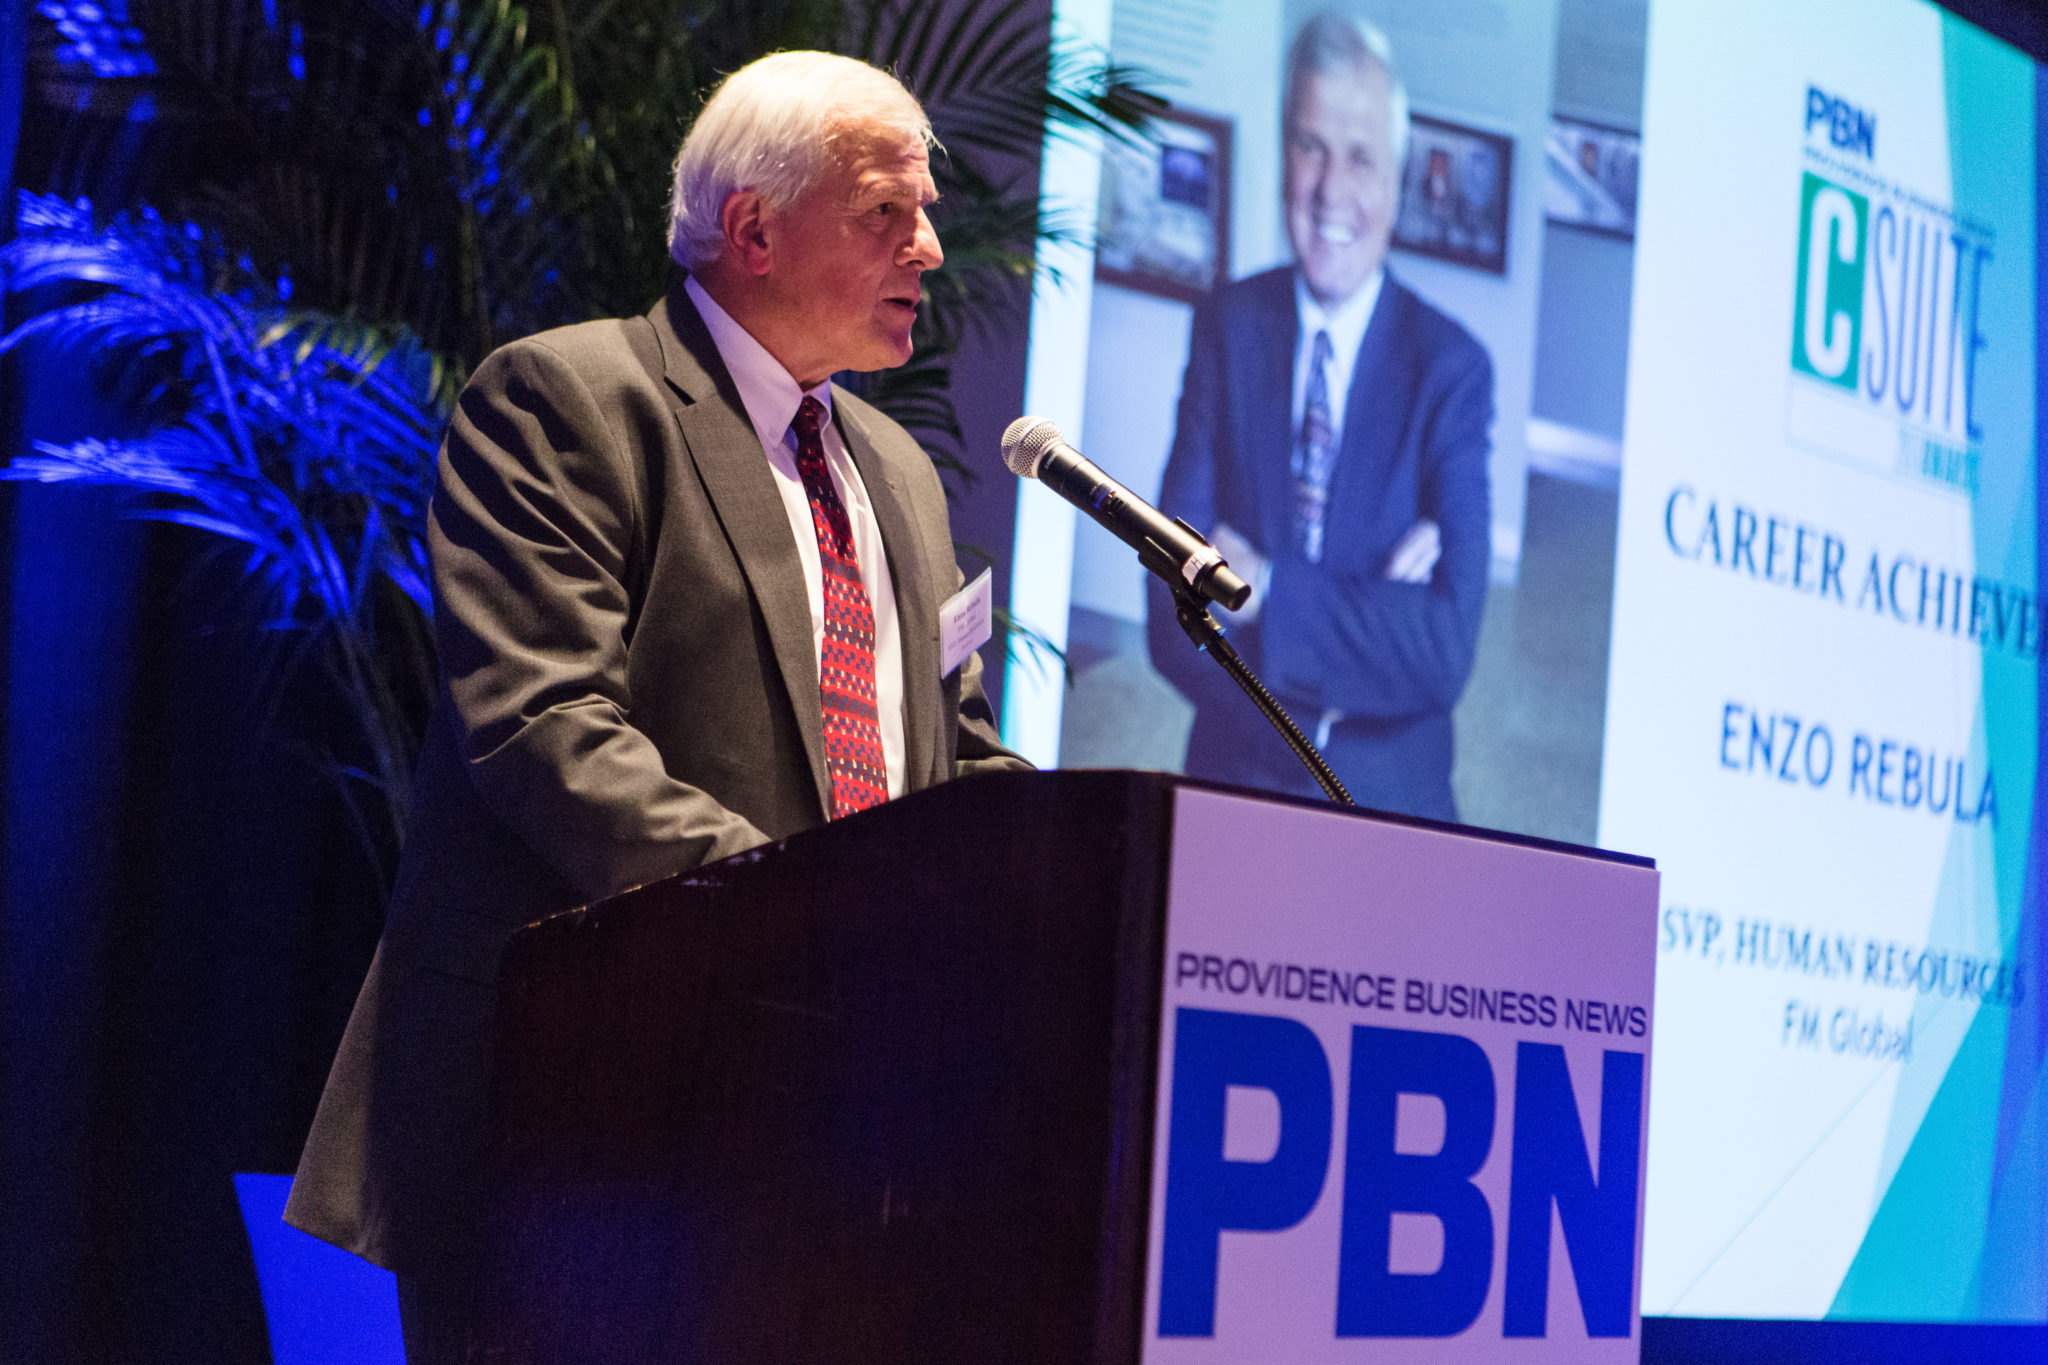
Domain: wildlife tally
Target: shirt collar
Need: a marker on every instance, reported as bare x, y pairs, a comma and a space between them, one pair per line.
1346, 322
770, 396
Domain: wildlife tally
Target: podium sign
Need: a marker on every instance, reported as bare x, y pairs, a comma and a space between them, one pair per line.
1083, 1067
1402, 1093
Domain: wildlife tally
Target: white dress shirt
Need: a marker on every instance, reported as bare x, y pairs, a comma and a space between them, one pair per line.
771, 397
1346, 324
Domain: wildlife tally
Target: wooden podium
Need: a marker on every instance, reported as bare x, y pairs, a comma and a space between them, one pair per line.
885, 1091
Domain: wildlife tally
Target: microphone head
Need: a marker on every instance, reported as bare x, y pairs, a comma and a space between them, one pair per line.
1027, 442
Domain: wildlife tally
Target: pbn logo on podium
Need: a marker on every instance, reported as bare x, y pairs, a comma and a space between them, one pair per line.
1429, 1220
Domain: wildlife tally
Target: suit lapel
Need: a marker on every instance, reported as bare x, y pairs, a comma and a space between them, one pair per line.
735, 474
1269, 407
1372, 425
912, 576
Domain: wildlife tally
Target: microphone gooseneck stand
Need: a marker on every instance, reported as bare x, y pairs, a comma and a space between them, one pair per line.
1207, 635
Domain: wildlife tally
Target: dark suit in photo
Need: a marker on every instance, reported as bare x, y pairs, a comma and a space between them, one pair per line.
1389, 659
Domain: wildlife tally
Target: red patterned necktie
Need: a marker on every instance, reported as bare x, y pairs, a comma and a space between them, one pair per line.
846, 663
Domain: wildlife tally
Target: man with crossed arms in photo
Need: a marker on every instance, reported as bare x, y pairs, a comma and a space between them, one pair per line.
1332, 440
687, 598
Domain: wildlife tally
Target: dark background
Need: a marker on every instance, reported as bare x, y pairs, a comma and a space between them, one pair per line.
185, 914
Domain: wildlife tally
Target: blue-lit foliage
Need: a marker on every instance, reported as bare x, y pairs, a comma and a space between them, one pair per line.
372, 198
307, 443
98, 35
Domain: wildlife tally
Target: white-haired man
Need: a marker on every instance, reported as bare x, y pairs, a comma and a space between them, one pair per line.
1332, 438
687, 596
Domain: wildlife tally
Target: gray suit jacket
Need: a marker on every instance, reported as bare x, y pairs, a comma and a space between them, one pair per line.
629, 690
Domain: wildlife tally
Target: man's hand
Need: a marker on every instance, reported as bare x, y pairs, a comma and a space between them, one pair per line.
1251, 566
1414, 559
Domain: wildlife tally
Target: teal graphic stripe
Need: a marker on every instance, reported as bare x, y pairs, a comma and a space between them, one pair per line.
1958, 1235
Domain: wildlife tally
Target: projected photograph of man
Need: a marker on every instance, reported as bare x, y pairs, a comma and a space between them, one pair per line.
1412, 451
1332, 438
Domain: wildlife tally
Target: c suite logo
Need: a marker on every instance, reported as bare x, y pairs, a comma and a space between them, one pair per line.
1886, 307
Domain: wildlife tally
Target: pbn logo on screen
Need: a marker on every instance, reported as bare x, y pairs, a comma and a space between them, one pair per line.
1551, 1166
1886, 306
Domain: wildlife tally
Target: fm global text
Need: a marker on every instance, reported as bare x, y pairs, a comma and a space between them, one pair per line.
1552, 1165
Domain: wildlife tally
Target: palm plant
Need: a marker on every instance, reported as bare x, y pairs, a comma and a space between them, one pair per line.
309, 450
345, 208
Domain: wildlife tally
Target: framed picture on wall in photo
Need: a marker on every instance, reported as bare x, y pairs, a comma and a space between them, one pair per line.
1589, 176
1454, 194
1163, 226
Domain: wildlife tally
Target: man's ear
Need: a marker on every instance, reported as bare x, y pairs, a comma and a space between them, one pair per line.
742, 220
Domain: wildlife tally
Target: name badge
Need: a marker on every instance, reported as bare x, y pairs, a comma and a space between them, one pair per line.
964, 624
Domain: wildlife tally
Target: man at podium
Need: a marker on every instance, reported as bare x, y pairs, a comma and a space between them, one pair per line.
688, 598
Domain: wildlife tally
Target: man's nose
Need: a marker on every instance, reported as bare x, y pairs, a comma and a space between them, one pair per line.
924, 250
1322, 188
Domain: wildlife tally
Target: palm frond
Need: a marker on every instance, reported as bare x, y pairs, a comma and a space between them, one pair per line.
505, 117
1027, 644
306, 441
360, 201
994, 81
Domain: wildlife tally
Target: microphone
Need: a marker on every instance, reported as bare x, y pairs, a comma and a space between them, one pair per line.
1034, 449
